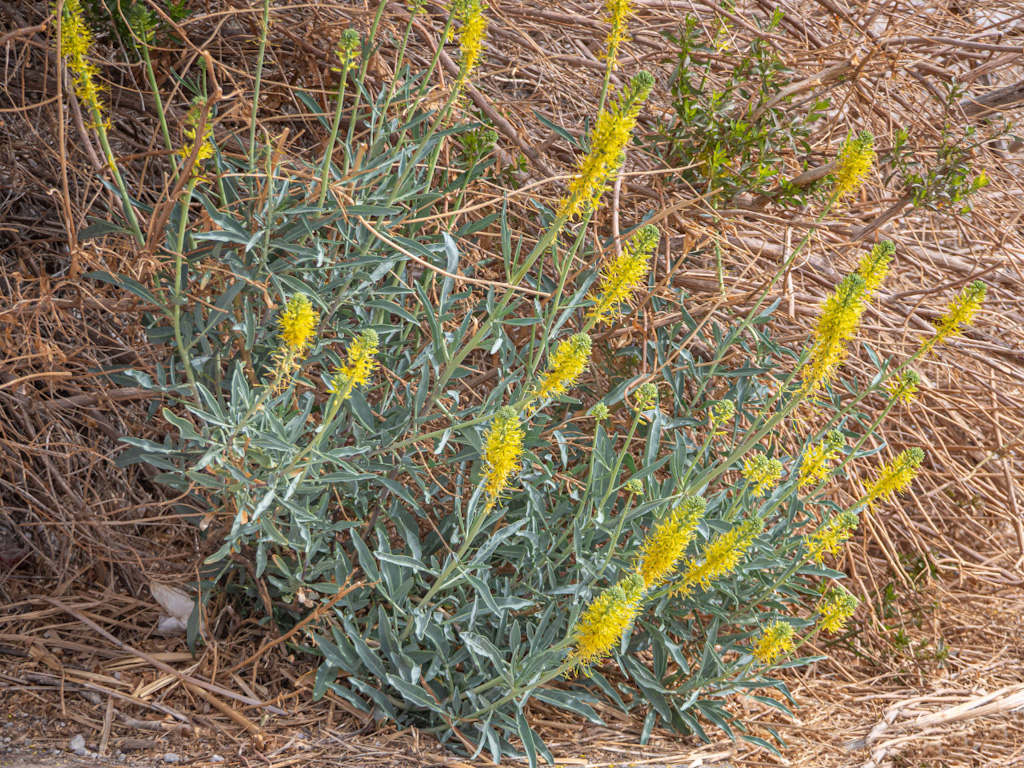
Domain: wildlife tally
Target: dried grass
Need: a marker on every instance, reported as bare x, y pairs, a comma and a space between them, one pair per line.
93, 534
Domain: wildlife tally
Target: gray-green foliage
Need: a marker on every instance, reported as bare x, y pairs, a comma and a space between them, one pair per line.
376, 495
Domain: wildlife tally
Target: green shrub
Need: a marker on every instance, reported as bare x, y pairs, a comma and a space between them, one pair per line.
371, 422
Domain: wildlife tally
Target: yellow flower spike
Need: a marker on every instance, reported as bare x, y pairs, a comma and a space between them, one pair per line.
472, 30
190, 128
960, 312
565, 366
817, 461
600, 627
617, 13
836, 609
623, 275
774, 641
667, 543
895, 476
608, 142
359, 364
903, 388
830, 537
297, 322
348, 48
853, 163
874, 266
837, 323
76, 43
720, 556
763, 473
503, 445
721, 413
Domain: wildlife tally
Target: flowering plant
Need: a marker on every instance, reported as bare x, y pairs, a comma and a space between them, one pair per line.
455, 471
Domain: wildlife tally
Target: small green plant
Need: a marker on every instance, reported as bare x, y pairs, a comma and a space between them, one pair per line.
941, 176
372, 425
731, 137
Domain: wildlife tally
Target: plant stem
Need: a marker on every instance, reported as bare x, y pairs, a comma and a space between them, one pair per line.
264, 29
334, 132
126, 202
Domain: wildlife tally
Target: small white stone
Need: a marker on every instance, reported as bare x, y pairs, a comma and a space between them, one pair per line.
170, 757
216, 759
77, 743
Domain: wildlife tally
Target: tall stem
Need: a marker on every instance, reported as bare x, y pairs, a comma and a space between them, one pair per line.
264, 29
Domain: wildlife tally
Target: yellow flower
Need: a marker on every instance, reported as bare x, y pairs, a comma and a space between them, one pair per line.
297, 322
600, 627
359, 364
721, 413
348, 48
903, 387
189, 129
762, 472
855, 159
720, 556
837, 323
831, 536
668, 541
818, 459
836, 609
503, 445
960, 313
895, 476
874, 266
473, 29
76, 43
621, 277
566, 365
775, 640
617, 13
607, 149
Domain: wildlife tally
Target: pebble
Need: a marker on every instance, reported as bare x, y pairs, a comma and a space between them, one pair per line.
171, 757
77, 745
216, 759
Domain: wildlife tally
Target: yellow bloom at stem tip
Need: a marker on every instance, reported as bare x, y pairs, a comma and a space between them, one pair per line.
617, 13
359, 364
190, 129
763, 473
721, 413
297, 323
472, 30
960, 312
607, 149
348, 48
76, 44
817, 461
841, 313
503, 445
836, 609
837, 324
565, 366
895, 476
775, 640
830, 537
623, 275
720, 556
668, 541
903, 388
600, 627
853, 163
874, 266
